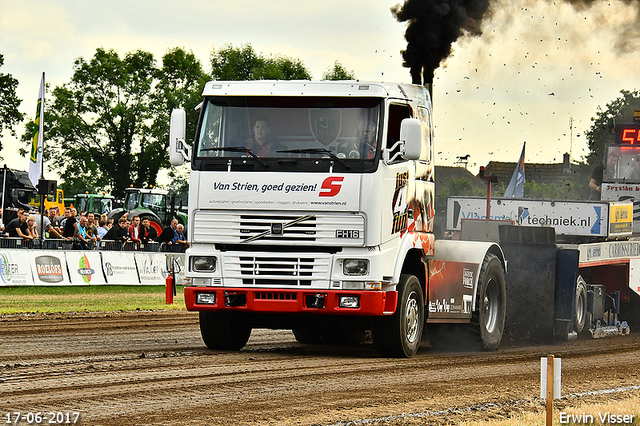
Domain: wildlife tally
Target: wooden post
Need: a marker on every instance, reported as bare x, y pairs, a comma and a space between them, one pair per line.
550, 386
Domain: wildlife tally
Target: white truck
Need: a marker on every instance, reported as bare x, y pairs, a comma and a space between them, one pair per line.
311, 208
330, 232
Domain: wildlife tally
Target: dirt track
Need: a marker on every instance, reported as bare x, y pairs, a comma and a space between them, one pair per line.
151, 368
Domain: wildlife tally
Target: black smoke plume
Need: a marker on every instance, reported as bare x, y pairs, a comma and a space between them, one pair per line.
433, 27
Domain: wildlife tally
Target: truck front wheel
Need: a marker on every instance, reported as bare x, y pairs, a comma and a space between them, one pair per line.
224, 330
491, 303
399, 335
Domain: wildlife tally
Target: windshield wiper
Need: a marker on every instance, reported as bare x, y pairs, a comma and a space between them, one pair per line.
238, 149
317, 151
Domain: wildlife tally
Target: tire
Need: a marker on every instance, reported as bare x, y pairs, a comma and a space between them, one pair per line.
224, 330
399, 335
581, 312
491, 303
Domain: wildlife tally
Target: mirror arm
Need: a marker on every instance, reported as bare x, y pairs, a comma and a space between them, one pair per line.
387, 152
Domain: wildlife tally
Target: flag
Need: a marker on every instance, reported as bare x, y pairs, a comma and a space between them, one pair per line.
516, 185
35, 159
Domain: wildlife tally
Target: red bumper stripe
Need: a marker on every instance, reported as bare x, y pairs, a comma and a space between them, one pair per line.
283, 301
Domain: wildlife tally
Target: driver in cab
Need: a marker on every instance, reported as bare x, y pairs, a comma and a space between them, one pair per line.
263, 142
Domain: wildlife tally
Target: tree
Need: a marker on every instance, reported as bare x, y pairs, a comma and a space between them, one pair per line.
243, 63
9, 103
458, 187
338, 72
602, 129
107, 128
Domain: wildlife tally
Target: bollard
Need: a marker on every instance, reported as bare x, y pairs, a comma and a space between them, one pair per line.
550, 383
168, 290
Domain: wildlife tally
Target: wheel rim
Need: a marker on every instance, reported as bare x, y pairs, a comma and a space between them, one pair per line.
490, 306
580, 308
412, 318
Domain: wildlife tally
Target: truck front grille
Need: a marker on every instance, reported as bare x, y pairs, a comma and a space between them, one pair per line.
275, 269
271, 228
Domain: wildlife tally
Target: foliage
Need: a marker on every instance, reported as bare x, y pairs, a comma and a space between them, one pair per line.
338, 72
545, 191
243, 63
458, 187
107, 128
602, 131
9, 103
575, 187
179, 180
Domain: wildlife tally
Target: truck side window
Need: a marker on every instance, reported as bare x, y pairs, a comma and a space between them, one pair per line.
397, 113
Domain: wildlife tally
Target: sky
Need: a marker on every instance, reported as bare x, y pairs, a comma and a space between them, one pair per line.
538, 66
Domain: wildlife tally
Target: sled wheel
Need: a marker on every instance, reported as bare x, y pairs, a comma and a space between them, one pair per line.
491, 303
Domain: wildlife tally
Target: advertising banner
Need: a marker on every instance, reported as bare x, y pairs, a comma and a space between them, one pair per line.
271, 191
120, 268
48, 267
579, 218
16, 269
621, 219
624, 192
85, 267
152, 268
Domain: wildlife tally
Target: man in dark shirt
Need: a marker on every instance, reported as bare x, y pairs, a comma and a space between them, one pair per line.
168, 233
17, 228
70, 225
595, 184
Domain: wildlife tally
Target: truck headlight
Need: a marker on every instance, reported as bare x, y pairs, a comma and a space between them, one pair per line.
355, 267
203, 263
206, 298
349, 302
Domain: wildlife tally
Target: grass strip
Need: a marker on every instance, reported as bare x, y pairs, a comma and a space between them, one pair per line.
103, 298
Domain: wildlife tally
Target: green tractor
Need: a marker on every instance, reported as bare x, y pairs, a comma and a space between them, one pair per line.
154, 204
95, 203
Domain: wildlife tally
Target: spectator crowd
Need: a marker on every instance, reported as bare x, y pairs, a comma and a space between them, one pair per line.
88, 231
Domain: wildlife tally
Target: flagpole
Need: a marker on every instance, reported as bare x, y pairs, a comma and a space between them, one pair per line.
42, 129
41, 137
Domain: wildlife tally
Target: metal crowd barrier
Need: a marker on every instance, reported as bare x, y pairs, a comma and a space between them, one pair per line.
60, 244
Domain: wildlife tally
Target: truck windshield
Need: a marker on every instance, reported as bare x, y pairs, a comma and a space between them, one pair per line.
622, 164
267, 129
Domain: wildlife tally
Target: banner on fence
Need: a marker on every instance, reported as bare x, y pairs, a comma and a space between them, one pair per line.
27, 267
15, 268
85, 268
152, 268
47, 267
119, 268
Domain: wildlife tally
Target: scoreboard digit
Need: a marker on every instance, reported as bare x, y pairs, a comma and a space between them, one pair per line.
628, 134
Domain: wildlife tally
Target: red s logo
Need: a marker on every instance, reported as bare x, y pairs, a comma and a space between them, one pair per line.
331, 189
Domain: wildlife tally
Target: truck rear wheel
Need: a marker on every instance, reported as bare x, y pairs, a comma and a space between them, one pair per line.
399, 335
224, 330
581, 305
491, 303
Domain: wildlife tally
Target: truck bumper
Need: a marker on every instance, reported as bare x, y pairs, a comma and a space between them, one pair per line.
373, 303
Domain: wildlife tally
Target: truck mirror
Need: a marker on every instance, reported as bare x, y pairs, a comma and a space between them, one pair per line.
411, 134
178, 149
